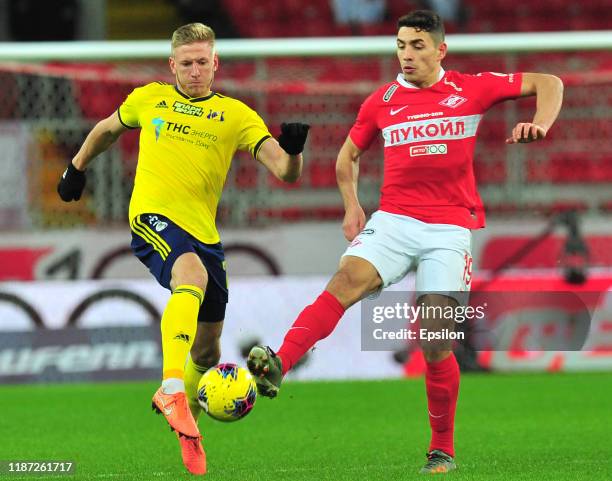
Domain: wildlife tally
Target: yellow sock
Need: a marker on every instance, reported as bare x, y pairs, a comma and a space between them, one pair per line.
193, 374
179, 324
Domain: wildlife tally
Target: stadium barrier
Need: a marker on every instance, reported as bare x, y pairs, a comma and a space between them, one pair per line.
109, 329
310, 46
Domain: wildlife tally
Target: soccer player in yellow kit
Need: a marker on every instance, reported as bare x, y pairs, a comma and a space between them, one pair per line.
188, 136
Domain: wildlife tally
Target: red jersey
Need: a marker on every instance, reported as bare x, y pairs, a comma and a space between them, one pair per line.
429, 136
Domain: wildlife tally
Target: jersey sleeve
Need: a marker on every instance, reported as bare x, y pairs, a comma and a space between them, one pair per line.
364, 130
129, 110
493, 87
253, 132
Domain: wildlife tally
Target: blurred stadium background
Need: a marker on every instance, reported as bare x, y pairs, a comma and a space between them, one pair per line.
69, 265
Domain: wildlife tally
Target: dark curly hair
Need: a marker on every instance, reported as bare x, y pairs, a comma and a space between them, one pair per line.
424, 20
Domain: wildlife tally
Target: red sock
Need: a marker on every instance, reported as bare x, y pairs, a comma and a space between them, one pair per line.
315, 322
442, 383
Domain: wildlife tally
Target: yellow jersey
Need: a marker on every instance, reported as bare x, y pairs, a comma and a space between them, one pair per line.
185, 151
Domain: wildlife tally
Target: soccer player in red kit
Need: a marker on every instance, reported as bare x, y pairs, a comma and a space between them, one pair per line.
429, 205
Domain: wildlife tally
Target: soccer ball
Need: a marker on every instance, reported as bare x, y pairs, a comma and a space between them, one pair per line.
227, 392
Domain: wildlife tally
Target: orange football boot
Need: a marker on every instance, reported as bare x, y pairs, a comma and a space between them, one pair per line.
176, 410
194, 457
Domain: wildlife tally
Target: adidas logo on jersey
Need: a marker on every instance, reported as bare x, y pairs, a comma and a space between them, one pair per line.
162, 105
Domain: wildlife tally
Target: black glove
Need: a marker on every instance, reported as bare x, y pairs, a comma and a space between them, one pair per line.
71, 184
293, 137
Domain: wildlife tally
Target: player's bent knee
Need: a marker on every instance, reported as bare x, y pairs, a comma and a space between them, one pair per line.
188, 269
352, 282
361, 272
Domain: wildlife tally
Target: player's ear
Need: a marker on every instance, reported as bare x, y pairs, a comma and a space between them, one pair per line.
442, 49
215, 62
172, 64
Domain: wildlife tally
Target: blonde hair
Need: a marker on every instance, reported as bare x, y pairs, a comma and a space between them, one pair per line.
192, 32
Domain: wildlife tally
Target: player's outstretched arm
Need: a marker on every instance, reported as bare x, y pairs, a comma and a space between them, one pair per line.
284, 157
347, 173
549, 92
101, 137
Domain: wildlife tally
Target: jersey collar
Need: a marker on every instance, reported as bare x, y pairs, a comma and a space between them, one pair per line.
191, 99
404, 83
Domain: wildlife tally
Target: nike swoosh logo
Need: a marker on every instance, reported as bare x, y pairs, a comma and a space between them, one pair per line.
434, 416
397, 111
167, 411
